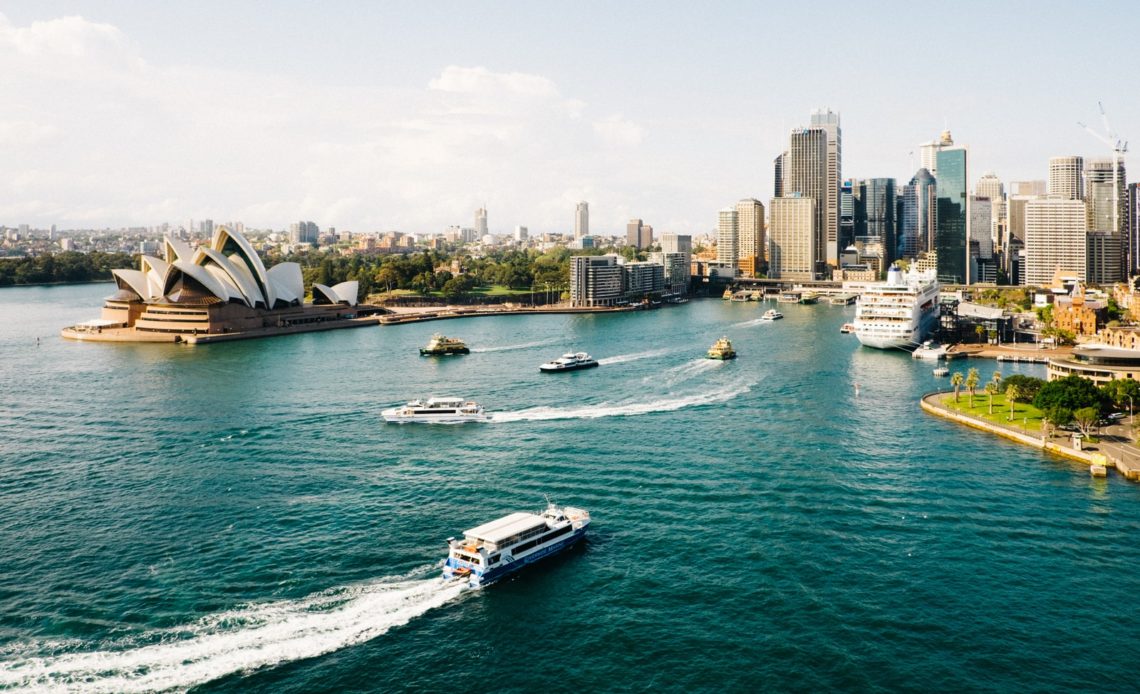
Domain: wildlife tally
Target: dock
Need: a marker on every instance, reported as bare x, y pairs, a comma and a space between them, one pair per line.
842, 299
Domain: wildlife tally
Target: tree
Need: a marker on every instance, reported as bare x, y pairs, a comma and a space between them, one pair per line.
1086, 418
991, 391
1012, 393
996, 378
1122, 393
1056, 416
980, 331
956, 380
972, 379
1027, 386
1071, 393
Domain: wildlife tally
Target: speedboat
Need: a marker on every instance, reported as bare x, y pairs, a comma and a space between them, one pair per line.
569, 362
440, 345
847, 328
722, 349
436, 411
498, 548
942, 371
771, 315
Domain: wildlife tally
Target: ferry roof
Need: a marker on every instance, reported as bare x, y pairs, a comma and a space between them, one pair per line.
501, 529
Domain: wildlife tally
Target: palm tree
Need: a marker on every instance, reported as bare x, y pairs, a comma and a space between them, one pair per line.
956, 380
1012, 393
991, 391
996, 378
972, 379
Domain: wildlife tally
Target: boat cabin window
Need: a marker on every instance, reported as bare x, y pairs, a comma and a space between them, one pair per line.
564, 530
467, 557
493, 559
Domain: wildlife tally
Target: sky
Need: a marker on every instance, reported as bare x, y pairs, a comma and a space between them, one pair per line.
377, 116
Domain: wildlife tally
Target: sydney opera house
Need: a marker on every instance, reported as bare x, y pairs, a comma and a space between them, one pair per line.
219, 291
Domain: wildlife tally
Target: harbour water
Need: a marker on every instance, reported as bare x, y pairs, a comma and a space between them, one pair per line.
236, 517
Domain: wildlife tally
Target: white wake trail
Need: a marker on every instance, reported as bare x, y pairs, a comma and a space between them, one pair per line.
684, 371
622, 358
505, 348
621, 409
750, 323
240, 640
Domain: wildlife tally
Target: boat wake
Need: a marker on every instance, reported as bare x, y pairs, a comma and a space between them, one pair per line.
622, 358
683, 372
622, 409
240, 640
507, 348
750, 323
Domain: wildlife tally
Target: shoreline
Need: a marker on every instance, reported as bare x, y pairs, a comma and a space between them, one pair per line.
1092, 457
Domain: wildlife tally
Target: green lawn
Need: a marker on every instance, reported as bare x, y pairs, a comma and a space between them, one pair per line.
1024, 415
500, 290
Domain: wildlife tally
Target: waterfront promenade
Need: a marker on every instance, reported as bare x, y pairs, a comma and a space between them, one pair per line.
1113, 449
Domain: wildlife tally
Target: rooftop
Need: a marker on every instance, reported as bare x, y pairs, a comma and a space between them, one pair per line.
499, 530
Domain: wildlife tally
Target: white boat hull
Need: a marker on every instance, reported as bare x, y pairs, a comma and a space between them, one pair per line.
395, 417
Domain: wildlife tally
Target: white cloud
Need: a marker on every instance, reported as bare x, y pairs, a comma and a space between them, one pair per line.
102, 137
617, 130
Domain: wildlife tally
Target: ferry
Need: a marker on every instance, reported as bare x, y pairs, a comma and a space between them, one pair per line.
499, 548
771, 315
900, 312
440, 345
722, 349
569, 362
436, 411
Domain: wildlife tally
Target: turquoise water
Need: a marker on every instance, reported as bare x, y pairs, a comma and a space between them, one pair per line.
236, 517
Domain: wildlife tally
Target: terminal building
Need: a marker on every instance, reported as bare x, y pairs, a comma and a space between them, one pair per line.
1098, 363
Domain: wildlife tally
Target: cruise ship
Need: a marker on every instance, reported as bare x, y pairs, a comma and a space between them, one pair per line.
493, 550
898, 313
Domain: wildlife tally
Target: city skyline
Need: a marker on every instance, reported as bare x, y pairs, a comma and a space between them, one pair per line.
128, 118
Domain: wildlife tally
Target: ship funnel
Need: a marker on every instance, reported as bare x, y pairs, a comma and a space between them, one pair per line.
895, 277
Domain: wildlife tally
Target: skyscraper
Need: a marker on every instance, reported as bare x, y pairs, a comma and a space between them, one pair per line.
826, 120
791, 238
1066, 177
981, 227
806, 175
917, 229
638, 234
1055, 231
953, 215
1133, 228
990, 186
481, 222
582, 220
780, 167
1107, 204
727, 236
878, 207
846, 214
928, 152
750, 235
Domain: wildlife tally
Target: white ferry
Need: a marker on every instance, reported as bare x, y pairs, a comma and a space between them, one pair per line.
771, 315
493, 550
436, 411
570, 362
900, 312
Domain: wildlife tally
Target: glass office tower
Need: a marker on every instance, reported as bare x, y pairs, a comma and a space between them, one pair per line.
951, 240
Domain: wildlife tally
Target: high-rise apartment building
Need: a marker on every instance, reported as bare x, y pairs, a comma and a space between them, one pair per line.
1028, 188
1055, 239
1066, 177
828, 121
951, 238
792, 238
727, 236
595, 280
521, 233
806, 175
917, 229
582, 220
303, 232
481, 222
750, 249
676, 243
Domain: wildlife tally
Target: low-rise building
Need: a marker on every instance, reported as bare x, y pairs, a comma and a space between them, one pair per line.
1098, 363
1079, 315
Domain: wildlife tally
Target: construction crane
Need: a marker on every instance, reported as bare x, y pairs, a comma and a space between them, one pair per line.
1119, 149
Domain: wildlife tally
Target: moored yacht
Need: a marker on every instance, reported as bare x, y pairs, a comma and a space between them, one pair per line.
436, 411
900, 312
569, 362
498, 548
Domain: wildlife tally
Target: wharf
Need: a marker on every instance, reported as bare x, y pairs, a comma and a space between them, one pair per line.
1008, 353
399, 317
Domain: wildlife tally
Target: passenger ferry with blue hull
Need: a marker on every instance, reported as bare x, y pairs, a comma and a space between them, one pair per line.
501, 547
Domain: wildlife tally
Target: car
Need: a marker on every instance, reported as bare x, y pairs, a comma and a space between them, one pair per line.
1116, 416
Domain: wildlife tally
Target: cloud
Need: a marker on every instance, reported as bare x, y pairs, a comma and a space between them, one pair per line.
617, 130
480, 80
103, 137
